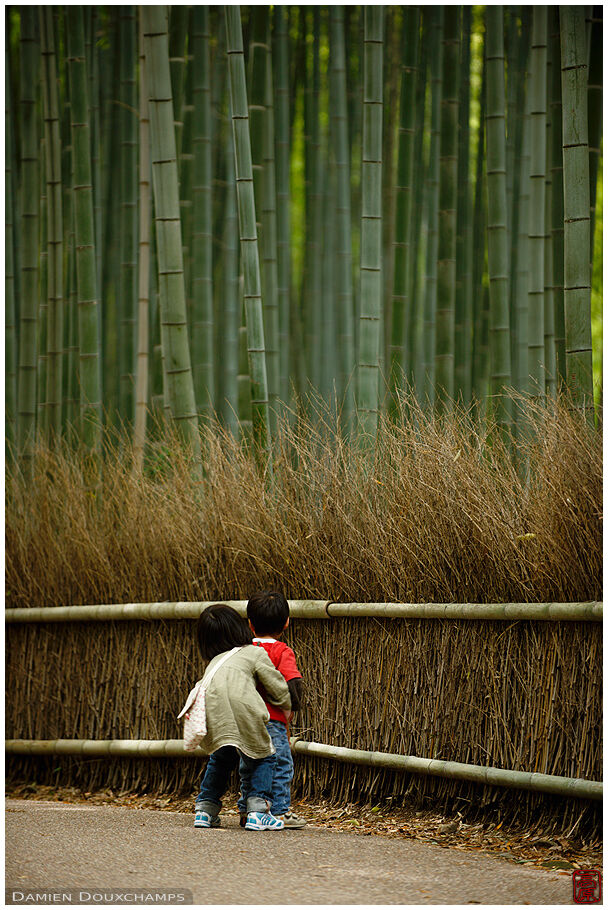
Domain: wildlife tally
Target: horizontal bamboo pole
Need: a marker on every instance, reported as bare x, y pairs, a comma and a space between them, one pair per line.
499, 777
174, 748
317, 609
548, 611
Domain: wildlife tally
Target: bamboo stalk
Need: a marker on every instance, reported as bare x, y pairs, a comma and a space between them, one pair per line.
143, 262
576, 788
536, 214
590, 611
577, 274
448, 178
371, 226
174, 340
28, 230
498, 266
252, 287
55, 299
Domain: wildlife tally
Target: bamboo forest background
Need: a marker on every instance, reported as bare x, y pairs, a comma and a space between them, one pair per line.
217, 210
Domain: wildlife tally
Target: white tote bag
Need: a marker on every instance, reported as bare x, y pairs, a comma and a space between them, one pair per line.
194, 712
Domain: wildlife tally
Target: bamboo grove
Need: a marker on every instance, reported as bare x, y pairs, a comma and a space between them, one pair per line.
216, 210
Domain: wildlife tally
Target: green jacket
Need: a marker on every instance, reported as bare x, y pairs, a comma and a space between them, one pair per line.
236, 713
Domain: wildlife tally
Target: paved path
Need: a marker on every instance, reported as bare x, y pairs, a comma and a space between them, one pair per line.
61, 846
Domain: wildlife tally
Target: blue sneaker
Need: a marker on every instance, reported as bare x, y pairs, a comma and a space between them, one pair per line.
204, 820
263, 821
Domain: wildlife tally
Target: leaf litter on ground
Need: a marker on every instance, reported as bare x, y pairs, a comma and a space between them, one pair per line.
529, 847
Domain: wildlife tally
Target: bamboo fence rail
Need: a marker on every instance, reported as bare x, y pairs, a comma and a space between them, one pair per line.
317, 609
174, 748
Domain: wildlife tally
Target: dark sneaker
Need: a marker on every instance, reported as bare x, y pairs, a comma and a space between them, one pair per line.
291, 820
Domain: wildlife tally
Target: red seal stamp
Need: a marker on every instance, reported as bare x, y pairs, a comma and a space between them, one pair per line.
587, 886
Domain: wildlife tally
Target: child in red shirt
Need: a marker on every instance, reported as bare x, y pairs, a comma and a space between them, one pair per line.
268, 615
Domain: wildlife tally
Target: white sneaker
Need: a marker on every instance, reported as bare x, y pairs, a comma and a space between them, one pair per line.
263, 821
204, 820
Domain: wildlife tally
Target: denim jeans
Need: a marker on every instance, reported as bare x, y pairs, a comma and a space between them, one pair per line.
257, 773
283, 771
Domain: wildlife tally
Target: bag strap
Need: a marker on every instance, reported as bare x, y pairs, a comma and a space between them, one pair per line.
205, 680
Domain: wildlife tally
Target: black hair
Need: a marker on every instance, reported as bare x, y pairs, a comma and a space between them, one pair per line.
268, 611
219, 629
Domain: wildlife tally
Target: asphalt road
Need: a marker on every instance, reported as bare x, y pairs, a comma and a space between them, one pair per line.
61, 847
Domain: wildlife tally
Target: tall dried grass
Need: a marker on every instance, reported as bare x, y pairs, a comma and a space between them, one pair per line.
438, 515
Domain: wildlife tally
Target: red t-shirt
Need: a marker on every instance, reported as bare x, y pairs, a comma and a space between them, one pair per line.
285, 661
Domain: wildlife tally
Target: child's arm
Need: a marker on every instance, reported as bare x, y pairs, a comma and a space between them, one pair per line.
275, 688
296, 687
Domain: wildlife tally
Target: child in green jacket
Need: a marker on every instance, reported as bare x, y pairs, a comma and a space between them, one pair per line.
236, 719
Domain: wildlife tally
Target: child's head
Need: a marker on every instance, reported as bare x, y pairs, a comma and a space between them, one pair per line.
268, 612
219, 629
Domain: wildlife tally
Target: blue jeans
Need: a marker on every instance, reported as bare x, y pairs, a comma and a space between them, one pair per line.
283, 771
257, 772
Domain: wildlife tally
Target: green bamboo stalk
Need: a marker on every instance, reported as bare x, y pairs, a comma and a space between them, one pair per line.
248, 233
281, 55
54, 223
128, 212
202, 247
70, 378
185, 165
462, 302
343, 272
523, 253
41, 419
327, 349
577, 274
513, 74
419, 231
515, 136
174, 333
595, 95
549, 315
231, 307
269, 238
311, 293
371, 225
92, 54
178, 34
84, 226
10, 389
557, 200
261, 118
29, 70
478, 374
435, 19
446, 252
143, 263
393, 30
536, 220
588, 611
402, 321
110, 196
498, 257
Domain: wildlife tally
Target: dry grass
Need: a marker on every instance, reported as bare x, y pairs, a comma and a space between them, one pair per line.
439, 516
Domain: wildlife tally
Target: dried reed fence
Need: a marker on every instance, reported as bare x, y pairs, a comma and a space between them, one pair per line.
524, 696
440, 516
